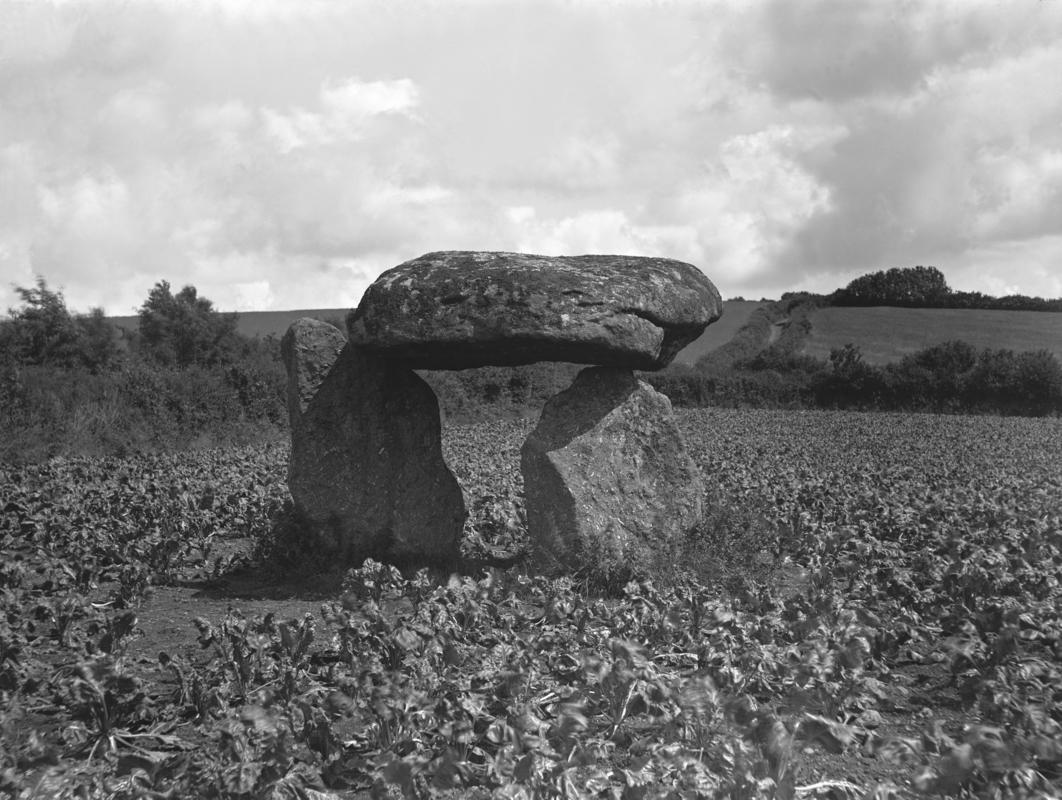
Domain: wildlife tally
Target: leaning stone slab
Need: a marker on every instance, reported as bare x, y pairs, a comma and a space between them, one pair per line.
608, 482
308, 348
367, 467
453, 310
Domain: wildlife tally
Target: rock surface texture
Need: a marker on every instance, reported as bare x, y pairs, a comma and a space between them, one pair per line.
366, 458
308, 348
609, 484
453, 310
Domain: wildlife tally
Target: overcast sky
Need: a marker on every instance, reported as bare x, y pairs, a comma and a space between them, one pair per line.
281, 155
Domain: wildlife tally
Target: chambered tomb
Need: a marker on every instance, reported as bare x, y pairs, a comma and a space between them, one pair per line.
607, 478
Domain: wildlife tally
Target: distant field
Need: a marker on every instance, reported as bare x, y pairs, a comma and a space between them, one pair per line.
887, 334
263, 323
735, 314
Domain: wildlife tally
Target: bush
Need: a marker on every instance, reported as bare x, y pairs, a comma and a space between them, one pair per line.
66, 387
1039, 382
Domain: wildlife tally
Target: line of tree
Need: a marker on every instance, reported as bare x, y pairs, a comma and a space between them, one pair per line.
925, 287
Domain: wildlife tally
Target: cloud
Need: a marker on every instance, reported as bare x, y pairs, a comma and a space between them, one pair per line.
969, 158
286, 153
833, 51
346, 112
732, 219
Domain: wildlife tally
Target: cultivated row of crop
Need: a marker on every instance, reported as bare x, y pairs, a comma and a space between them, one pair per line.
846, 558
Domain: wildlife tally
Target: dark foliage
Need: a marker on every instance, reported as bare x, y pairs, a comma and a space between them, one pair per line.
184, 329
68, 384
951, 377
43, 332
925, 287
912, 286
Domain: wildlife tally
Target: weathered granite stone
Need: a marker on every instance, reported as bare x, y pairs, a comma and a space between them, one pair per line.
367, 467
308, 348
452, 310
609, 484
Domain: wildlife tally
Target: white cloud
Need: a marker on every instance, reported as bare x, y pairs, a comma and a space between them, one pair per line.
346, 111
254, 295
356, 100
285, 153
584, 161
597, 231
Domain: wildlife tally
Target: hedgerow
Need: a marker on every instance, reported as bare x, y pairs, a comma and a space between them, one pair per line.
71, 384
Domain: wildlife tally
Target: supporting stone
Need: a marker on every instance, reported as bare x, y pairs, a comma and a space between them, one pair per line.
308, 348
610, 487
366, 463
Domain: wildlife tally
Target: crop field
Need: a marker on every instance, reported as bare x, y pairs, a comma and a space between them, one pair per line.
875, 609
886, 334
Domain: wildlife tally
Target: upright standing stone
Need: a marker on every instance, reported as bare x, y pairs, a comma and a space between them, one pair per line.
366, 461
308, 348
608, 482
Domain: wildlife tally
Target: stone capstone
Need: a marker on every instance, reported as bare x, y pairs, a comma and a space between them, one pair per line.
609, 485
366, 465
308, 348
453, 310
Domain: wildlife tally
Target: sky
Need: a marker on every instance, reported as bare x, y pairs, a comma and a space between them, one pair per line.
281, 154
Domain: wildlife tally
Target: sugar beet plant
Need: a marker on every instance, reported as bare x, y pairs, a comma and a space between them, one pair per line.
871, 610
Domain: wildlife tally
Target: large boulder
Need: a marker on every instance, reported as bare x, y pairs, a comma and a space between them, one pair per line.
453, 310
610, 487
308, 348
366, 464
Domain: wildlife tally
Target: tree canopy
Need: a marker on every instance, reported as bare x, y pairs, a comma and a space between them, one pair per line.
184, 329
925, 287
899, 286
42, 331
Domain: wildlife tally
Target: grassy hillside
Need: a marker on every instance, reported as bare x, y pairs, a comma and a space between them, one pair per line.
735, 314
887, 334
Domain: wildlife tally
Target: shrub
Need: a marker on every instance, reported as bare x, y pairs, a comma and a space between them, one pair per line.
1039, 382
